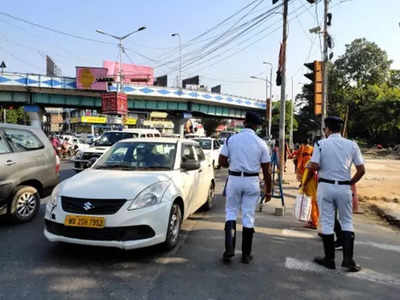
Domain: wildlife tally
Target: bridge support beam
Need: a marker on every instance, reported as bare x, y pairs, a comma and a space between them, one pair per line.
35, 114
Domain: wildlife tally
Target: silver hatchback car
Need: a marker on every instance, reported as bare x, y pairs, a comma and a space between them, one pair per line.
29, 169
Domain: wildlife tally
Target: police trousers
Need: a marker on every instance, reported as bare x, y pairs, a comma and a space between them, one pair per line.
330, 198
242, 194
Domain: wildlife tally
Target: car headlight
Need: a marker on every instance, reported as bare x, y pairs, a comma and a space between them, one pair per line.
55, 197
151, 195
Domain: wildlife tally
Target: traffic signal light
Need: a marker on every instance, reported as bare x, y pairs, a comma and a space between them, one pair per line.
313, 91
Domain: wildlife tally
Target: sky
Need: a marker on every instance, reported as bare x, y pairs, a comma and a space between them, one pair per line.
23, 47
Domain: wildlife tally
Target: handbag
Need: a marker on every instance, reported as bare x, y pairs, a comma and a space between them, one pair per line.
302, 209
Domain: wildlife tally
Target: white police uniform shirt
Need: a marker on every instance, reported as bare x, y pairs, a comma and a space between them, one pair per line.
335, 156
245, 151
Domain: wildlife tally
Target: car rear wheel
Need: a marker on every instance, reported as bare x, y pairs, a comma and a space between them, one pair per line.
210, 198
174, 226
25, 204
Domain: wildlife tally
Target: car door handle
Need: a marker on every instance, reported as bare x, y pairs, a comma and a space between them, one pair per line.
10, 163
200, 170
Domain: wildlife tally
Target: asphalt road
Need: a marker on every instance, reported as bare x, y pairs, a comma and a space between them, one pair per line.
33, 268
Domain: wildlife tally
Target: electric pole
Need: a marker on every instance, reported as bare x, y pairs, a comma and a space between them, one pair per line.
325, 69
291, 118
282, 148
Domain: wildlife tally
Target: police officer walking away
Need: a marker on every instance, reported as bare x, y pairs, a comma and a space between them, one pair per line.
244, 153
333, 157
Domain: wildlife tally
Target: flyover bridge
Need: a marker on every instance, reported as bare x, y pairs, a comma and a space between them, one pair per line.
46, 91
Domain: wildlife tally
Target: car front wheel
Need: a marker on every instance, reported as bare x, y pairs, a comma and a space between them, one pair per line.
174, 226
210, 197
25, 204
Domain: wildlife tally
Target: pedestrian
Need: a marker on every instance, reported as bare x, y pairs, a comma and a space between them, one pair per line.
309, 188
244, 153
333, 158
303, 156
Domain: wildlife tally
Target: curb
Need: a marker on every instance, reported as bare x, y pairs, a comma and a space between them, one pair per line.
390, 218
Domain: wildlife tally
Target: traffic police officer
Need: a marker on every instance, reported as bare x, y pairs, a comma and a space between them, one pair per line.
333, 158
244, 153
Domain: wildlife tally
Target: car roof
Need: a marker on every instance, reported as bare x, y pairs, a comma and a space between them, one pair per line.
18, 126
160, 140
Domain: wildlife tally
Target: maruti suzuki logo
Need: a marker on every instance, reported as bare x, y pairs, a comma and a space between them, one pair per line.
87, 206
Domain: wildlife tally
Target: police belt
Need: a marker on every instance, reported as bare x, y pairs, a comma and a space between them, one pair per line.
234, 173
346, 182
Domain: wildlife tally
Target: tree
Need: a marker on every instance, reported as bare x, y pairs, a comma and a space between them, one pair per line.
15, 115
363, 63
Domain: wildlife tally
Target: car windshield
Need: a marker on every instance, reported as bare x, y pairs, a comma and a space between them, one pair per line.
205, 144
110, 138
138, 156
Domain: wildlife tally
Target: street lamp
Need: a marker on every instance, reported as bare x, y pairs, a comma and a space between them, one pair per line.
121, 49
270, 99
180, 58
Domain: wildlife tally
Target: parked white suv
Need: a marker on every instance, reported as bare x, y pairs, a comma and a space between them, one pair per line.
136, 195
85, 158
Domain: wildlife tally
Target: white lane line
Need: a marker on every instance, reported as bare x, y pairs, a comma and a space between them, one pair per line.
303, 265
380, 246
298, 234
364, 274
373, 276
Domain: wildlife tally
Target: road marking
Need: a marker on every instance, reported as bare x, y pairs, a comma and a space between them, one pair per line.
380, 246
364, 274
298, 234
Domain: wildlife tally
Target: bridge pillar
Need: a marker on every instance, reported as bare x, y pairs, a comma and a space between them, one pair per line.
35, 114
179, 123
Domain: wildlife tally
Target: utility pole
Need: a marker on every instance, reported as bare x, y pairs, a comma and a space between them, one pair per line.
325, 69
179, 85
269, 103
282, 148
291, 118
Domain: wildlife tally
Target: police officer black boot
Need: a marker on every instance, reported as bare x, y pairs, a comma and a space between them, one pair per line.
339, 235
329, 248
348, 249
247, 241
230, 240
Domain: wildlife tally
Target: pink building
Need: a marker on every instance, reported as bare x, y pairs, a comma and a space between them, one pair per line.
132, 74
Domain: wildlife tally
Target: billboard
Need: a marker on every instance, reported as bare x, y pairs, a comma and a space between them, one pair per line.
191, 81
51, 68
131, 73
161, 81
216, 89
86, 78
114, 103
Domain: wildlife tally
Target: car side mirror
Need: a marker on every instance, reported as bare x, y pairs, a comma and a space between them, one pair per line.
190, 165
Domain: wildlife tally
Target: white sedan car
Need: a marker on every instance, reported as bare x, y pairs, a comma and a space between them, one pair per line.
136, 195
211, 148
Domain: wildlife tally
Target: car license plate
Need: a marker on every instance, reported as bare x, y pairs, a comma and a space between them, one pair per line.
84, 221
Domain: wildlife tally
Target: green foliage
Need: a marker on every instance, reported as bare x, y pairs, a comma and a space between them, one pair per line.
276, 117
15, 115
361, 80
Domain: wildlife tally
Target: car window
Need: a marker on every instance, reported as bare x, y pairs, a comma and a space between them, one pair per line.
149, 135
4, 148
22, 140
110, 138
200, 153
157, 135
138, 156
187, 153
205, 144
216, 145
